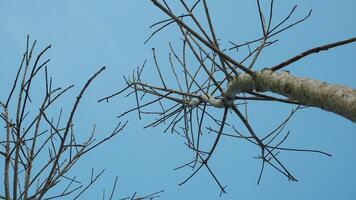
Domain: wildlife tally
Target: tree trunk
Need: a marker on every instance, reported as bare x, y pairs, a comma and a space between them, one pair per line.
330, 97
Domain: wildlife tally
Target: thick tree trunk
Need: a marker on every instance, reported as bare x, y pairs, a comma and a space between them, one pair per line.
334, 98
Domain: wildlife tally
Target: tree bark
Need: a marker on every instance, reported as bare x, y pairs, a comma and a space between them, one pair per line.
330, 97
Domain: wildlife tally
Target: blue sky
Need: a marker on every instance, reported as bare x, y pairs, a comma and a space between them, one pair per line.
87, 34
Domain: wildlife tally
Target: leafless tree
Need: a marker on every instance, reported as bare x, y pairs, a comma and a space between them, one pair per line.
211, 93
40, 146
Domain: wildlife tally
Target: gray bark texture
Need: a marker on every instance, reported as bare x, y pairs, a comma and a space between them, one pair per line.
330, 97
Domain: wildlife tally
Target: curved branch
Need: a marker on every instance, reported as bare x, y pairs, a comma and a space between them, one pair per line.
330, 97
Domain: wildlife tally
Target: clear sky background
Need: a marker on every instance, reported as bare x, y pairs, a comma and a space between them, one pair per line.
87, 34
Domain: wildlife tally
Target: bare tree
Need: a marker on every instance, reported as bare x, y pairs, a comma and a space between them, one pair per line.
211, 93
40, 146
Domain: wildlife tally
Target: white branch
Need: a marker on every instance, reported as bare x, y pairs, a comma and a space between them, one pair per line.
218, 103
334, 98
